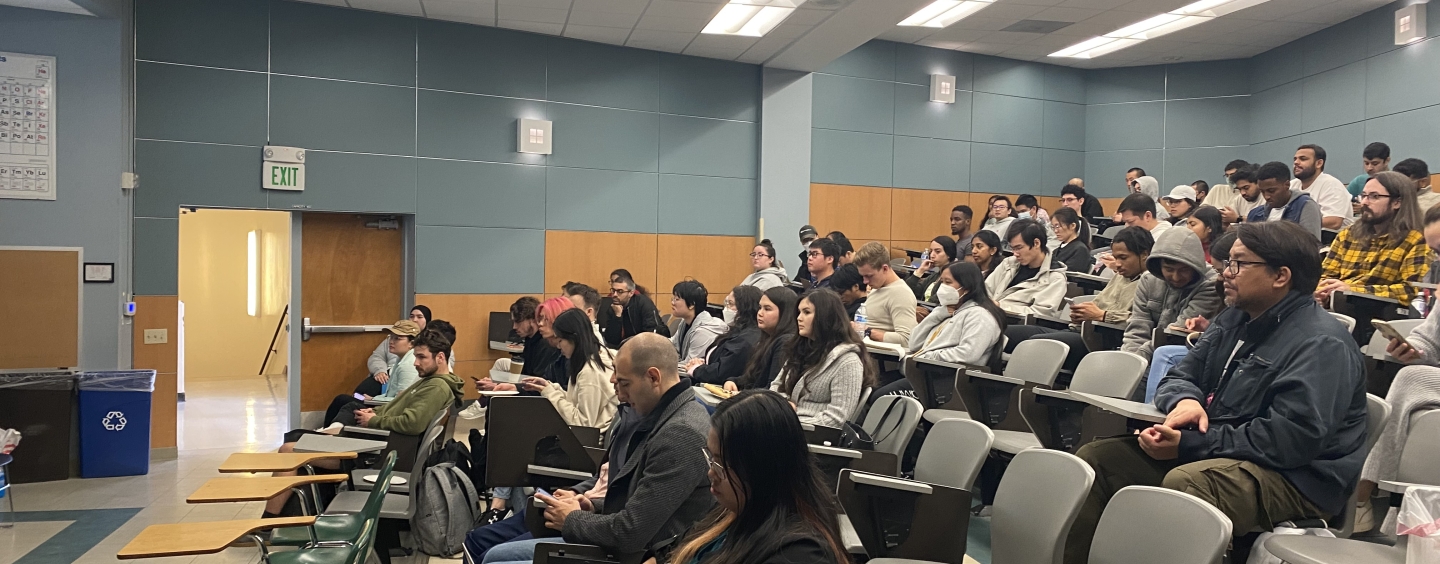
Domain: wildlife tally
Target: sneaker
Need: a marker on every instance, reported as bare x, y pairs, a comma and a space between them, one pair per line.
1364, 516
475, 411
333, 429
492, 516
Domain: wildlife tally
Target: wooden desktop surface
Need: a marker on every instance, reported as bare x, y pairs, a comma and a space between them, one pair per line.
181, 539
277, 461
223, 490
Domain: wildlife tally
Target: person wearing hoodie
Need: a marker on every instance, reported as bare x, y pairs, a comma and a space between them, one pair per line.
409, 414
1149, 186
698, 329
728, 356
769, 273
1030, 281
1282, 202
1177, 286
967, 328
1266, 416
826, 367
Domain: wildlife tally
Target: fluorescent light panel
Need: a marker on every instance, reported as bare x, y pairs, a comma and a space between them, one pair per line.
942, 13
1192, 14
750, 18
252, 274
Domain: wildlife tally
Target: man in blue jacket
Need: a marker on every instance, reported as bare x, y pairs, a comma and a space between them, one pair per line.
1266, 415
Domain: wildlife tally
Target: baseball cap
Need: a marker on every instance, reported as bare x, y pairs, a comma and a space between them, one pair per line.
809, 231
1181, 192
404, 327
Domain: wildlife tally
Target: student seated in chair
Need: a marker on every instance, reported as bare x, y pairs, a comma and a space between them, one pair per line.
631, 312
587, 300
776, 321
587, 400
1030, 281
698, 329
727, 357
409, 414
1283, 201
1382, 252
890, 307
826, 366
926, 276
535, 359
821, 260
769, 273
852, 289
1070, 248
1267, 414
1177, 286
966, 329
773, 505
382, 360
658, 485
399, 375
1165, 357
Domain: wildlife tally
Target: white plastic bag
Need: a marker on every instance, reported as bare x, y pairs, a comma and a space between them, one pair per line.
9, 439
1258, 553
1420, 519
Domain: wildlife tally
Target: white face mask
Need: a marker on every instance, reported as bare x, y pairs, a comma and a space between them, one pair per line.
947, 295
728, 314
1023, 215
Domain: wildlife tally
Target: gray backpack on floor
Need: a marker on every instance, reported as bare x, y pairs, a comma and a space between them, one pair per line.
446, 507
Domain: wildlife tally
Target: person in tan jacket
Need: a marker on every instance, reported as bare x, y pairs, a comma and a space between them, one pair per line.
588, 399
1030, 282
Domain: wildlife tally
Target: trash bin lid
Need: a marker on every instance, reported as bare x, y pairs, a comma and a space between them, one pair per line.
53, 380
118, 381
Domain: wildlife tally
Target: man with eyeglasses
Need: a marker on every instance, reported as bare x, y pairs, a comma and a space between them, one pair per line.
1223, 195
1266, 415
822, 258
631, 313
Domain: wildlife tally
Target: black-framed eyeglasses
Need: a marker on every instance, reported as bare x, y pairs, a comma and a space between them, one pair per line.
1233, 266
758, 255
1373, 197
710, 460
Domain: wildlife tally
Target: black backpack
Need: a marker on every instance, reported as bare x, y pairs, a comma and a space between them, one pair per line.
478, 459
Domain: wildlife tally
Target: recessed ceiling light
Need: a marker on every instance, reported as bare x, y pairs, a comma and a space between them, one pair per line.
1189, 15
942, 13
751, 18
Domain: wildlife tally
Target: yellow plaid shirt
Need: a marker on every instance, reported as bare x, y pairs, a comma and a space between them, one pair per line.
1377, 266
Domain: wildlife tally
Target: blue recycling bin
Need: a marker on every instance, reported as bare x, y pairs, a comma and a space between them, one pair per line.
115, 423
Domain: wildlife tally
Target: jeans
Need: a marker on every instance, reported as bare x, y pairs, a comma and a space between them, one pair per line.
515, 551
1164, 358
478, 542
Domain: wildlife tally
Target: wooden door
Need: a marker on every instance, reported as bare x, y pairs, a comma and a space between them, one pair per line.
350, 275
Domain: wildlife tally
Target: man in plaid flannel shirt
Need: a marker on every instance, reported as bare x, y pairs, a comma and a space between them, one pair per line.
1384, 251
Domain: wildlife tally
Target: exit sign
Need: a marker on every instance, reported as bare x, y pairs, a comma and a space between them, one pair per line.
283, 169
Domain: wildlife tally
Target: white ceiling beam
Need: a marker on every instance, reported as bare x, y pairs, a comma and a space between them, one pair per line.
849, 28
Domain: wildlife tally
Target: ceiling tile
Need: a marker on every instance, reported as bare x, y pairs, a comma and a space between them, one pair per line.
962, 35
660, 40
603, 19
675, 9
470, 8
1152, 7
404, 7
340, 3
985, 23
808, 17
1009, 11
535, 27
532, 14
1093, 4
906, 34
614, 6
551, 4
612, 35
1063, 14
662, 23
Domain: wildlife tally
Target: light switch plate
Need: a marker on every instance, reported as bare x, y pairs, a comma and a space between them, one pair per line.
157, 336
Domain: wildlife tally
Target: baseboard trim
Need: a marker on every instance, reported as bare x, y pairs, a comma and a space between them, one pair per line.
164, 453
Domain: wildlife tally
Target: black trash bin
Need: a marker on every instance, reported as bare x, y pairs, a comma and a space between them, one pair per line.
41, 405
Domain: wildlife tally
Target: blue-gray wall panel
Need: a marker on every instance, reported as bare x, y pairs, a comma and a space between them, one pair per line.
195, 104
931, 164
1275, 113
230, 35
1333, 97
854, 104
1207, 122
342, 116
604, 75
1343, 146
177, 174
471, 127
1105, 170
914, 64
1064, 126
1335, 47
589, 137
1008, 120
874, 59
1002, 169
480, 194
917, 116
1057, 167
708, 147
353, 183
707, 205
1277, 66
1110, 127
157, 256
321, 41
1392, 84
1125, 84
473, 260
1184, 166
847, 157
1280, 150
513, 63
601, 200
692, 86
1405, 139
1207, 79
1009, 76
1064, 84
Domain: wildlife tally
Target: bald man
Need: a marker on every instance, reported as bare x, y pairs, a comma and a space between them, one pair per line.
651, 500
1077, 181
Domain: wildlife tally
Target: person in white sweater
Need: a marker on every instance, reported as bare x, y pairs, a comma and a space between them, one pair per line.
769, 273
588, 399
826, 368
969, 326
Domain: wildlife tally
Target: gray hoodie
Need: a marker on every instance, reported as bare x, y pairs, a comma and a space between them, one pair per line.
766, 278
693, 339
1151, 187
1157, 304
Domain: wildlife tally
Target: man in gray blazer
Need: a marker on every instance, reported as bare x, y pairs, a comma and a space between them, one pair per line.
659, 483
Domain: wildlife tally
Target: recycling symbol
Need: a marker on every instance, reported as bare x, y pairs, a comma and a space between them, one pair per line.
114, 421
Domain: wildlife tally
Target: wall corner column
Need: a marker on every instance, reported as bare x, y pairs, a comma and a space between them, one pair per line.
786, 100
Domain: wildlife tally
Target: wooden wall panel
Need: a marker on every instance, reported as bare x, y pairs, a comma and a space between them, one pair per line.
861, 212
897, 248
719, 262
46, 281
589, 257
921, 215
159, 312
470, 314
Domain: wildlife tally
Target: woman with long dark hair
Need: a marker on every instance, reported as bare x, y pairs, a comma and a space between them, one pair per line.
776, 320
727, 357
588, 398
1072, 250
967, 329
985, 251
1205, 223
773, 506
826, 367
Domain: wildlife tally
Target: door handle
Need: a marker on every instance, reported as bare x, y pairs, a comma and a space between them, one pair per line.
306, 329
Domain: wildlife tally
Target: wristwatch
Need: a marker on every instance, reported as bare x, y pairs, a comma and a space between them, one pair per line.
867, 332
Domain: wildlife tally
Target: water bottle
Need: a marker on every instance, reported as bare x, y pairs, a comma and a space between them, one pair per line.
860, 319
6, 481
384, 387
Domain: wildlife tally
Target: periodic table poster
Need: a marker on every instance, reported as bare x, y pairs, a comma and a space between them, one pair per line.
27, 126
